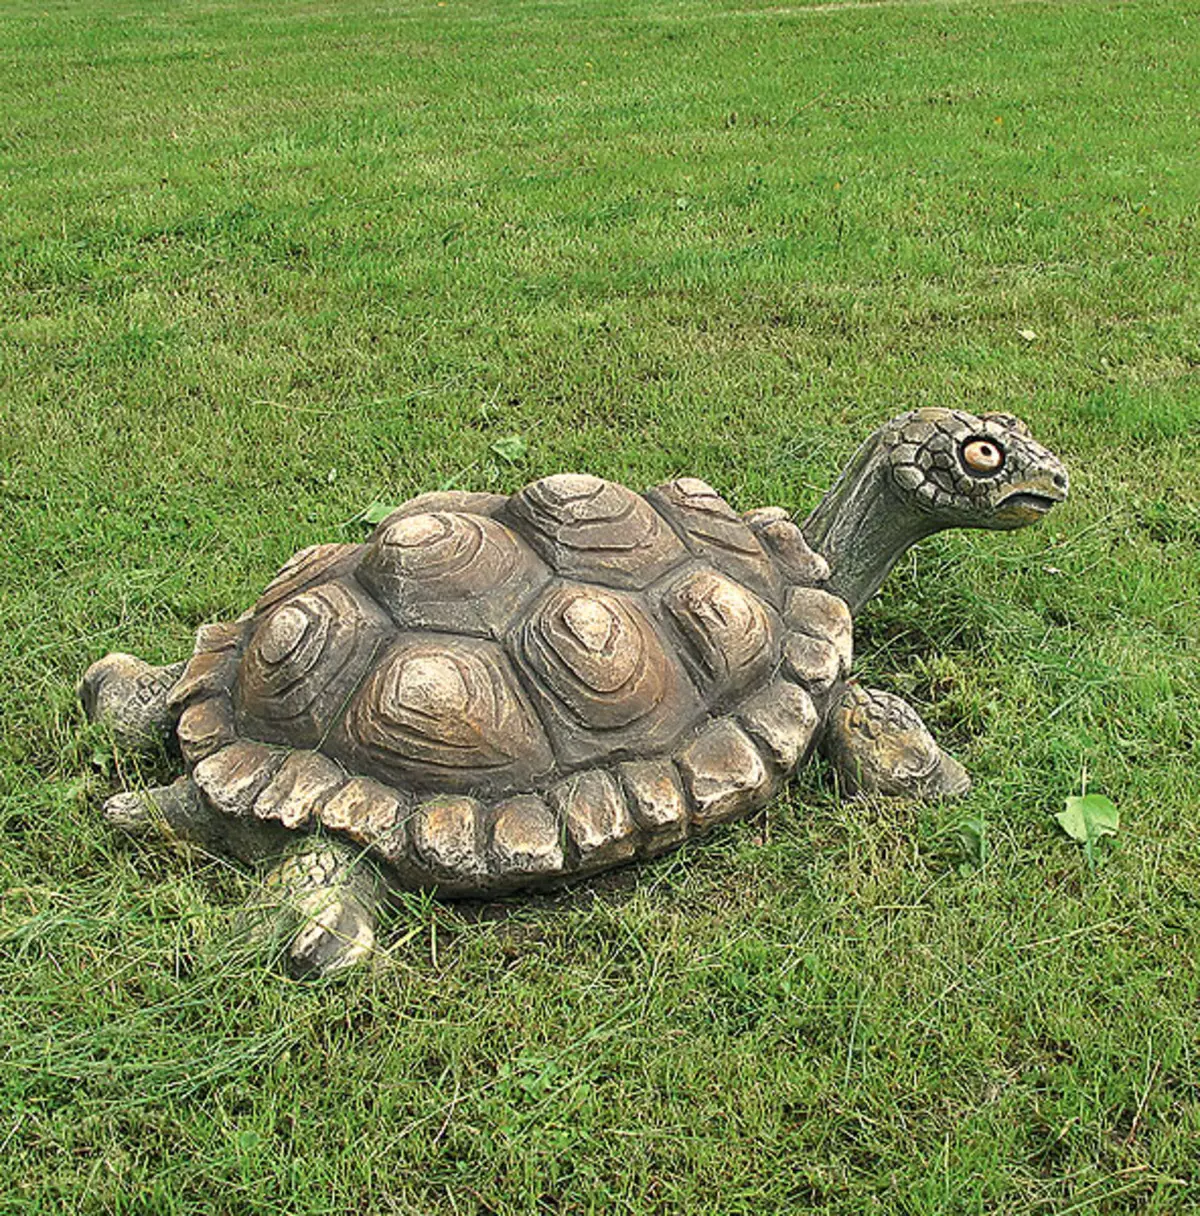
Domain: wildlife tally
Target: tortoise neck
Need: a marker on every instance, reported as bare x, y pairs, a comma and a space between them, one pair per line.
862, 527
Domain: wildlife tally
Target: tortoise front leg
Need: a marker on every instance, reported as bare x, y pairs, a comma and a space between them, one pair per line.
320, 906
131, 696
879, 745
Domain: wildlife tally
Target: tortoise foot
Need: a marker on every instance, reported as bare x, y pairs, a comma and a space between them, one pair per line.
879, 745
321, 908
341, 935
131, 696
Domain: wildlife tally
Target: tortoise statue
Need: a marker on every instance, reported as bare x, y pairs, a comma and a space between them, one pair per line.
498, 693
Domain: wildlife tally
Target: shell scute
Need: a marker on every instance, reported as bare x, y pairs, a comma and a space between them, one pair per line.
713, 530
205, 727
523, 839
656, 798
447, 834
813, 662
470, 502
599, 826
207, 674
822, 615
784, 720
589, 528
232, 778
724, 774
442, 712
731, 636
602, 676
451, 571
371, 814
304, 661
307, 568
297, 791
782, 538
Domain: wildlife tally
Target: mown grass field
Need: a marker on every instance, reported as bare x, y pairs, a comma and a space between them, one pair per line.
264, 263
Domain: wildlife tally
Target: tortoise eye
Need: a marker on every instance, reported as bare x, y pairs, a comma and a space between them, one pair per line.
982, 456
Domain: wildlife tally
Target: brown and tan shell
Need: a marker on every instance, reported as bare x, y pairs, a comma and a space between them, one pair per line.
498, 692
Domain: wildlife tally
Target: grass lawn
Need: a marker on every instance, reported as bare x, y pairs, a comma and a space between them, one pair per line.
263, 263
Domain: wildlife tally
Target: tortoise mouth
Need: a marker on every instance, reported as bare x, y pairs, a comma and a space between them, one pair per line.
1029, 501
1035, 496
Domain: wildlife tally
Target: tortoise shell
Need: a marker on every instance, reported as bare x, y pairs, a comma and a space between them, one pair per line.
493, 692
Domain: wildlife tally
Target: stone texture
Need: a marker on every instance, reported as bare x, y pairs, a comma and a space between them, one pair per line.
571, 645
784, 720
179, 815
451, 571
589, 528
232, 778
205, 727
524, 839
598, 823
311, 566
766, 515
370, 814
909, 480
209, 673
655, 795
724, 774
786, 544
714, 531
447, 837
469, 502
813, 662
296, 792
731, 637
605, 682
879, 745
908, 476
321, 902
130, 696
219, 635
305, 660
443, 713
821, 615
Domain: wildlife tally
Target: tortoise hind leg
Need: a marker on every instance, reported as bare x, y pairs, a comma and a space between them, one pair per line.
320, 906
131, 696
177, 814
173, 813
879, 745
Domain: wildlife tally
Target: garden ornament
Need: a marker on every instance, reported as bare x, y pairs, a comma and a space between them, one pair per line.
502, 693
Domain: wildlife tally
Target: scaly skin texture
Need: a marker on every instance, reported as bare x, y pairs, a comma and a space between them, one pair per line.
910, 480
320, 905
878, 745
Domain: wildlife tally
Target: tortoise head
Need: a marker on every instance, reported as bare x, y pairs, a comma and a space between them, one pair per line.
921, 473
968, 472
